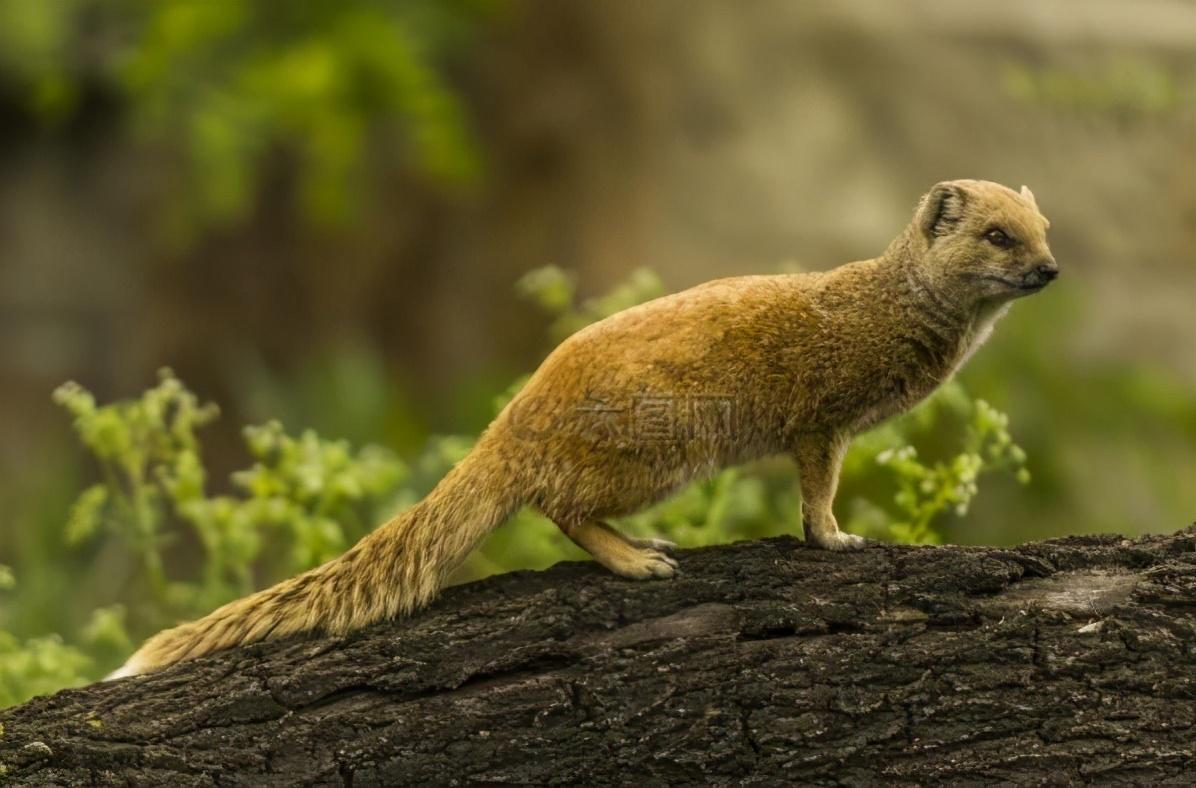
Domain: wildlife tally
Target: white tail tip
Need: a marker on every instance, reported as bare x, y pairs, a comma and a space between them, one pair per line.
130, 668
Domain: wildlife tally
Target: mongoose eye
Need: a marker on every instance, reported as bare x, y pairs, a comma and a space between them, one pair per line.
998, 238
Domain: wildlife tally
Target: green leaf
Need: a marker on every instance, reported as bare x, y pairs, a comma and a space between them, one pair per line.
85, 515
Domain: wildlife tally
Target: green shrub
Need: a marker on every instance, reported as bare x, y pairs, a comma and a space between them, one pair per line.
307, 497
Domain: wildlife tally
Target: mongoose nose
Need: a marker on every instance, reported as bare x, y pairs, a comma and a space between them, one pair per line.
1047, 271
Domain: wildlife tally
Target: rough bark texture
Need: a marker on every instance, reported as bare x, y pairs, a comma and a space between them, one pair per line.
1061, 661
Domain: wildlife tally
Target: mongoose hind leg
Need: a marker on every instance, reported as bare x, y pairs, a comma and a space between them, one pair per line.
637, 559
819, 458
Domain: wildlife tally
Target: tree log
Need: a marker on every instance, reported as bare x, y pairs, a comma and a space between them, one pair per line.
766, 662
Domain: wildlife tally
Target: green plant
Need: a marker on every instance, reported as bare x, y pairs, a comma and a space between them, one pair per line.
315, 495
38, 666
928, 491
555, 291
142, 447
35, 665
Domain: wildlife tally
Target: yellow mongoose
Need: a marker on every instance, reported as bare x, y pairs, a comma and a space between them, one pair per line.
627, 410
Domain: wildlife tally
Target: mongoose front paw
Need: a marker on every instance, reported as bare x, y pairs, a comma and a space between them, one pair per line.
645, 563
839, 541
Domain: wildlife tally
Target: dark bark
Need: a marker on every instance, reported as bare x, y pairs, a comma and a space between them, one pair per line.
766, 662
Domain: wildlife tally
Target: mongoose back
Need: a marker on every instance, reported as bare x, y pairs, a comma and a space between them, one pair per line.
629, 409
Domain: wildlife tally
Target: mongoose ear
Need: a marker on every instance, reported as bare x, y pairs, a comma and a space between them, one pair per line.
1028, 196
941, 210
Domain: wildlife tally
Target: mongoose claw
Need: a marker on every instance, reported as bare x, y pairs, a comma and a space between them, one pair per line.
654, 544
662, 565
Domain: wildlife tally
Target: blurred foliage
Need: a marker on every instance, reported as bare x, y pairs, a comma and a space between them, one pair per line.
38, 666
555, 290
35, 666
341, 87
1112, 440
1122, 88
309, 498
319, 494
927, 491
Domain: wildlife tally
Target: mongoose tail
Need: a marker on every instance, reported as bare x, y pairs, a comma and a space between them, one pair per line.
394, 570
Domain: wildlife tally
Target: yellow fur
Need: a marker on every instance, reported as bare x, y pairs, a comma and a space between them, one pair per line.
629, 409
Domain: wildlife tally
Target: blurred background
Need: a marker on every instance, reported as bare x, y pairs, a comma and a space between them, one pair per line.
321, 213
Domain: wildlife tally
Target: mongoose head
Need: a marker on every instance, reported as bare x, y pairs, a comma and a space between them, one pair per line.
983, 242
